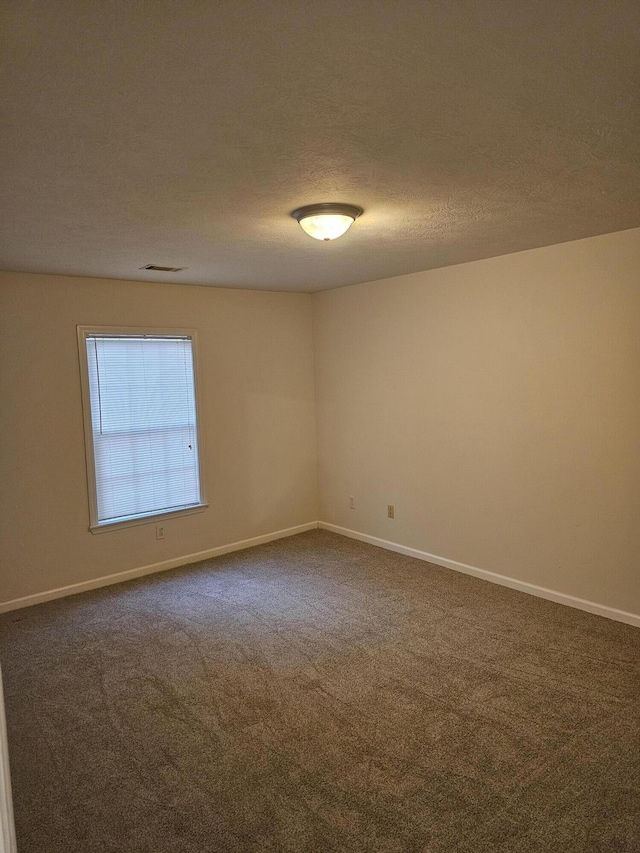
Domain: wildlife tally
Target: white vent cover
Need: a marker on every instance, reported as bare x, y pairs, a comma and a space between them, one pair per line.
158, 268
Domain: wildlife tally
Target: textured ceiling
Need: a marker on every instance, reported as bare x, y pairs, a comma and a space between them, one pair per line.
184, 134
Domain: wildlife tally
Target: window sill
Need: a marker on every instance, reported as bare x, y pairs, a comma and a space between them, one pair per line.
108, 526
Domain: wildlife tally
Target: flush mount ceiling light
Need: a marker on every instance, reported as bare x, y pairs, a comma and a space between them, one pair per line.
326, 221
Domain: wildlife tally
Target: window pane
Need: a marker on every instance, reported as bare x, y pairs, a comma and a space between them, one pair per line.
143, 418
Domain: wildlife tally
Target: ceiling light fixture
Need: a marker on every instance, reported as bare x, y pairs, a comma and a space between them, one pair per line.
326, 221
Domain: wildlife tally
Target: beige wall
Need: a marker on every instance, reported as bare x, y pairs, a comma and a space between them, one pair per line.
257, 407
496, 404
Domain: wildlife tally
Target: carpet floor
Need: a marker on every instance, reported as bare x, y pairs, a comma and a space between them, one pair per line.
320, 694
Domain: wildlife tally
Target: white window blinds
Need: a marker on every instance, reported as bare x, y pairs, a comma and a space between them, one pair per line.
143, 424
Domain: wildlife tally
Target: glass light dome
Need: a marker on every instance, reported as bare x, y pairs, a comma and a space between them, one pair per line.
326, 221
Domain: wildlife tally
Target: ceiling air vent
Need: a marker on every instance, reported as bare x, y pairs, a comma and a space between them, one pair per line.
157, 268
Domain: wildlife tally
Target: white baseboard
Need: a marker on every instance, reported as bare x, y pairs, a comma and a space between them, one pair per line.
174, 563
503, 580
493, 577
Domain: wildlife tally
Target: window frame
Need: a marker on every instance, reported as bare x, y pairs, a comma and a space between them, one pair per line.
83, 333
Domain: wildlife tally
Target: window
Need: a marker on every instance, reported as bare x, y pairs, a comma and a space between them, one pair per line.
141, 425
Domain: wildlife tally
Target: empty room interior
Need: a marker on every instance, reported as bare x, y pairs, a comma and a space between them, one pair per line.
320, 434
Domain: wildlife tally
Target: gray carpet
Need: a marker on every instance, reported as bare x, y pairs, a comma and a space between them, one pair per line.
318, 694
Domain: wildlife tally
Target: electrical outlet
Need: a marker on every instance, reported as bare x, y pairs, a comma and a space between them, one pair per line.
352, 502
391, 512
159, 531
